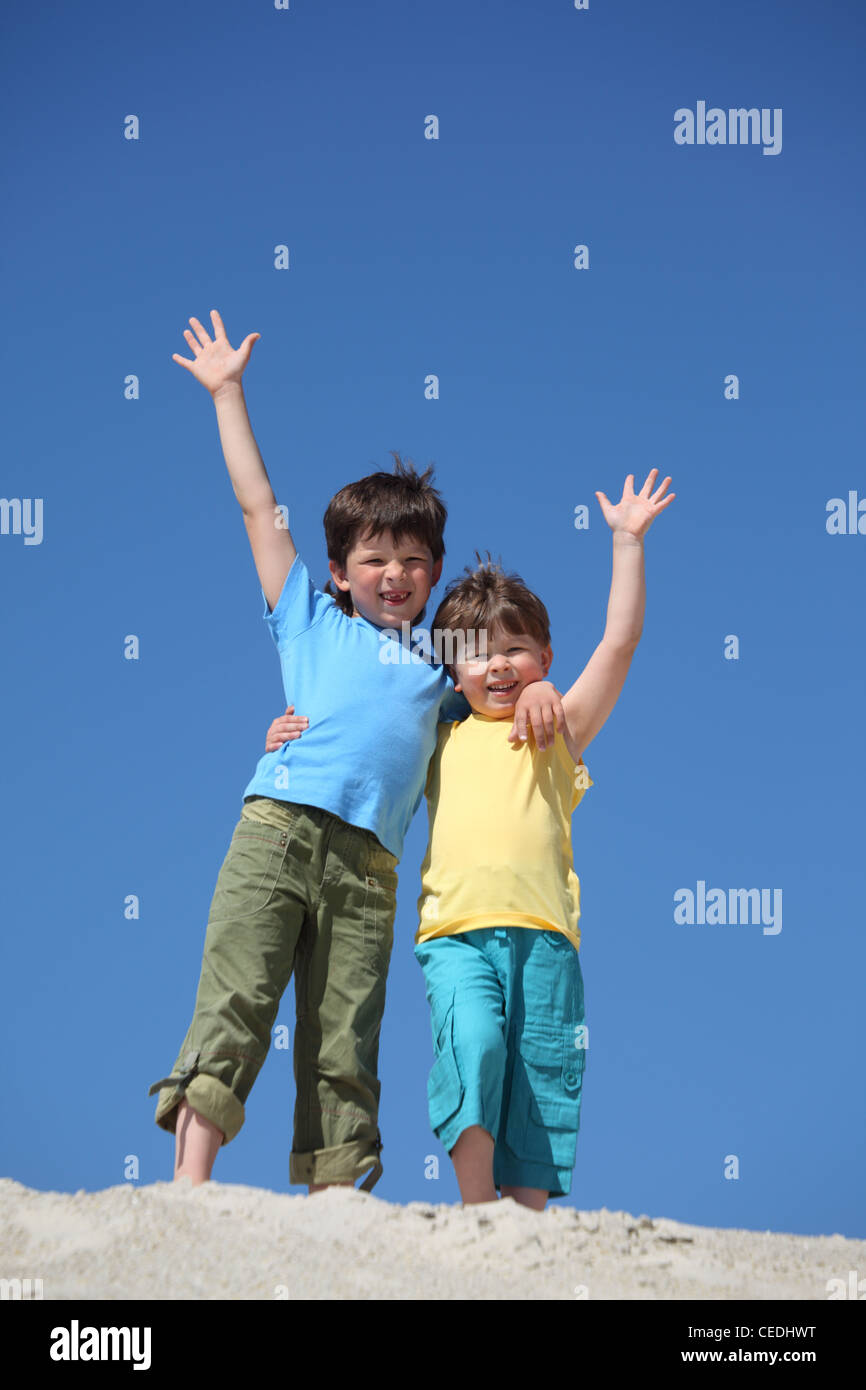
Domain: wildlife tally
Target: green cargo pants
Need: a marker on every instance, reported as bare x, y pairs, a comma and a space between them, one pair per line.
299, 890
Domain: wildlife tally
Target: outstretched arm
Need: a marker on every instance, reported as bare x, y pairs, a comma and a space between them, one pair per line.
219, 367
589, 702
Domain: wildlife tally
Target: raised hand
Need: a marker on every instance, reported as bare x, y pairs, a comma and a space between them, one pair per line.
215, 362
635, 512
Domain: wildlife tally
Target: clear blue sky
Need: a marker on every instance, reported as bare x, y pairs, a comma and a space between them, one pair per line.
261, 127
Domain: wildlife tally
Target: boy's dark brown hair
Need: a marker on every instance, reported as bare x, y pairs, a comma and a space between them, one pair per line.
403, 502
487, 599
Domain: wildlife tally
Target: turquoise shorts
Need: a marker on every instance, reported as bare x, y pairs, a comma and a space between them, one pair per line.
509, 1038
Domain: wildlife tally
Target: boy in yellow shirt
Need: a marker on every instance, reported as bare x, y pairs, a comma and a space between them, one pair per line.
500, 901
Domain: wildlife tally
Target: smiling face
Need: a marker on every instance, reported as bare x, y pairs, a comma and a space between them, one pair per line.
514, 660
389, 583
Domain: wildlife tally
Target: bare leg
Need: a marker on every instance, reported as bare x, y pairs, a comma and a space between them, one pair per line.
472, 1157
534, 1197
196, 1143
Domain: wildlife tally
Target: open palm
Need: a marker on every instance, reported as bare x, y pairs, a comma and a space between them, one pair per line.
635, 512
215, 361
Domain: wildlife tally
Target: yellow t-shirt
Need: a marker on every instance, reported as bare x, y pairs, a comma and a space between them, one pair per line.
499, 853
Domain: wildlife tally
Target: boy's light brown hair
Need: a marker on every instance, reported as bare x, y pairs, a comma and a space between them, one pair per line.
403, 502
489, 599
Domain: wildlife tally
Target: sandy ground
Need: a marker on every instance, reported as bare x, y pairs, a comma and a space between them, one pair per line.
222, 1241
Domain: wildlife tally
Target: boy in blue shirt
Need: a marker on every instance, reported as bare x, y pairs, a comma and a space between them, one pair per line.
308, 884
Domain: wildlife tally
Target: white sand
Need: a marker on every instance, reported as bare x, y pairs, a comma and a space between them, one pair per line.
218, 1241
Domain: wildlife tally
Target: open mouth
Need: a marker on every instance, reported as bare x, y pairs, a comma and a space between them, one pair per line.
502, 688
396, 596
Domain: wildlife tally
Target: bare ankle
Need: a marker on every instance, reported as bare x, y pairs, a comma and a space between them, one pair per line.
197, 1143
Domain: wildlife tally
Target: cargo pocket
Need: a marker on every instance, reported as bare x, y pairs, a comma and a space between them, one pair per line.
444, 1084
558, 940
380, 904
544, 1113
251, 870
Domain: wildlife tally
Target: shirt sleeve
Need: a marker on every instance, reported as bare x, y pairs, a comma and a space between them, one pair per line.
441, 736
300, 605
454, 704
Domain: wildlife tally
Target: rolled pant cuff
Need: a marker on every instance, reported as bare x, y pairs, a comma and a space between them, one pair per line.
343, 1163
209, 1097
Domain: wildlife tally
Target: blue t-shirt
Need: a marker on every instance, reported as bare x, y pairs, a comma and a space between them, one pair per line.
373, 723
